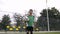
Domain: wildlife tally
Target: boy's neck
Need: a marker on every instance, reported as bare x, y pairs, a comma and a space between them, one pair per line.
30, 14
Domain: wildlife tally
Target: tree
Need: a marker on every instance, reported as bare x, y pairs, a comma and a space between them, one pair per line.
54, 20
5, 21
18, 18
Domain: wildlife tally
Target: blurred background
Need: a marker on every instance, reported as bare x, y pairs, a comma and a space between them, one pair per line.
12, 13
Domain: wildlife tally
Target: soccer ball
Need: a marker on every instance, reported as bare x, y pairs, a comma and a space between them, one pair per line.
26, 18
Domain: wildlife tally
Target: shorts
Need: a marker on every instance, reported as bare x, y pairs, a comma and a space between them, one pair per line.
29, 28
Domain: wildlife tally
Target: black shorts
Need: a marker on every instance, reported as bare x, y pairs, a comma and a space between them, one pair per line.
29, 28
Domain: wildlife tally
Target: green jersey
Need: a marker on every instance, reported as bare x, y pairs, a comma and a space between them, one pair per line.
31, 20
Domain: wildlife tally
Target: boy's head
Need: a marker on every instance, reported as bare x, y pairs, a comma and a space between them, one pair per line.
30, 11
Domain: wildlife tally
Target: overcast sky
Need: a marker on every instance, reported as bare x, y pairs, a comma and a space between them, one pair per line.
21, 6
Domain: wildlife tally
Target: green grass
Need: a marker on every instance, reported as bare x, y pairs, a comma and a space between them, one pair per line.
33, 33
44, 33
49, 33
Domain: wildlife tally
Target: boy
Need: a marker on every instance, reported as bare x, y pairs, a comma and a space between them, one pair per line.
30, 22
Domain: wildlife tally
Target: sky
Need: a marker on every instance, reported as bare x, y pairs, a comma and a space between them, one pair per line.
22, 6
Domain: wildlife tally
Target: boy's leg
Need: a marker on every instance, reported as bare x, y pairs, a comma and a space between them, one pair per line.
27, 32
31, 31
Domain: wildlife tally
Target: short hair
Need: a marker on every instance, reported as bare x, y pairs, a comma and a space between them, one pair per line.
30, 10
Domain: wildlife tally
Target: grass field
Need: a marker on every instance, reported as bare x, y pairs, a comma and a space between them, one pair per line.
33, 33
49, 33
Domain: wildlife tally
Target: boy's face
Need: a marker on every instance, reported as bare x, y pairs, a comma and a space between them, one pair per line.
31, 12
